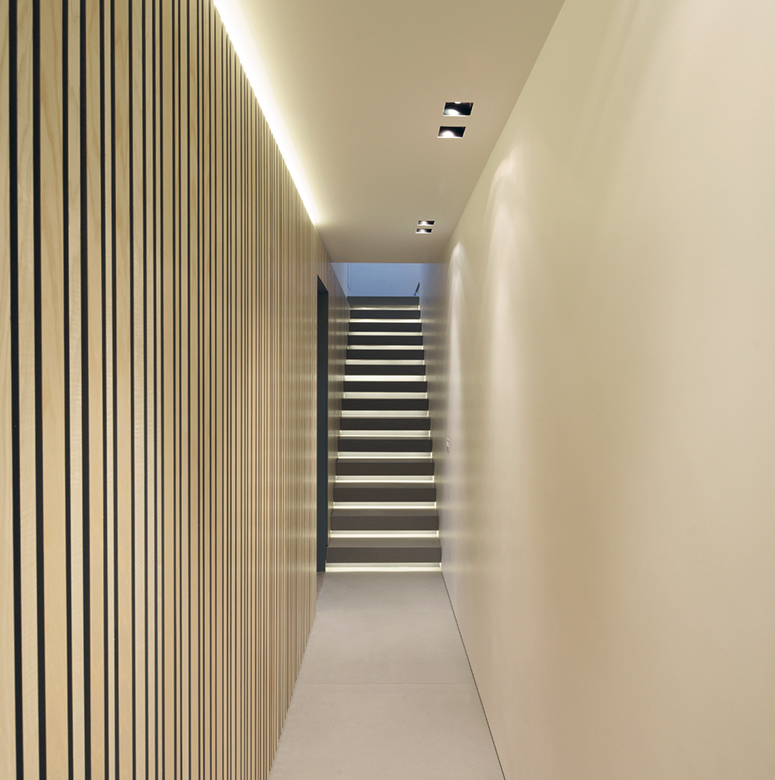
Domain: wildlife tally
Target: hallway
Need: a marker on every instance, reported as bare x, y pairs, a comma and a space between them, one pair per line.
385, 690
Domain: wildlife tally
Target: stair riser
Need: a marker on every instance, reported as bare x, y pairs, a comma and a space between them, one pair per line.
354, 386
384, 468
384, 314
385, 354
384, 555
385, 404
382, 369
385, 424
388, 327
385, 341
385, 445
350, 492
407, 523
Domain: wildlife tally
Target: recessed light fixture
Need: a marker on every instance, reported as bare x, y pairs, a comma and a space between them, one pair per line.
426, 222
423, 231
451, 132
456, 108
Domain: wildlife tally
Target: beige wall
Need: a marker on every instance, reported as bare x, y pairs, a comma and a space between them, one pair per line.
608, 500
158, 282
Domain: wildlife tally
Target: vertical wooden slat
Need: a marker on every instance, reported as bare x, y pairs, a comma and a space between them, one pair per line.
26, 388
7, 687
53, 384
92, 315
162, 301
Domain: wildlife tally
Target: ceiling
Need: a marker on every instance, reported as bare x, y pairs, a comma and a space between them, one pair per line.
361, 86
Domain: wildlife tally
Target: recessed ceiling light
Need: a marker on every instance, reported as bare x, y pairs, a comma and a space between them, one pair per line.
451, 132
457, 108
423, 231
426, 222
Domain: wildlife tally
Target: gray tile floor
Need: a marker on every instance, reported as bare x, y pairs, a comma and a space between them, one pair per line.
385, 691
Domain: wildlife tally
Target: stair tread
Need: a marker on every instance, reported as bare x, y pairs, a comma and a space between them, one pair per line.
341, 511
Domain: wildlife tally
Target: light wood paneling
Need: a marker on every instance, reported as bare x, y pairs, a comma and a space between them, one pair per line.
158, 281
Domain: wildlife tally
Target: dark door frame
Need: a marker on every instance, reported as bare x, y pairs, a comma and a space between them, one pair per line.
322, 428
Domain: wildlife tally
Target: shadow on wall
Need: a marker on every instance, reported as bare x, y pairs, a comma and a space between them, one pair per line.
380, 278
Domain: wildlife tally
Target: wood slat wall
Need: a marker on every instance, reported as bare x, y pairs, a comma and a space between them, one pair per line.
158, 282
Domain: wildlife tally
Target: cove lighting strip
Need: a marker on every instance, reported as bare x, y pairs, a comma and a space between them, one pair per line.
387, 568
390, 319
384, 505
402, 347
379, 413
375, 433
384, 535
425, 479
387, 395
384, 377
391, 333
380, 361
239, 31
385, 455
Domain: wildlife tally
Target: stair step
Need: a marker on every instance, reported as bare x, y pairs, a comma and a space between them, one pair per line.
343, 519
384, 386
385, 355
386, 327
384, 551
367, 444
373, 467
385, 423
383, 369
384, 341
383, 300
380, 491
385, 404
384, 314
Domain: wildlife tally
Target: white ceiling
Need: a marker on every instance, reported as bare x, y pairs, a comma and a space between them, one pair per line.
361, 86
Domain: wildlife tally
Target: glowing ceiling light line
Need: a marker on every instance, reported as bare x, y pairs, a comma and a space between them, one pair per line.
239, 32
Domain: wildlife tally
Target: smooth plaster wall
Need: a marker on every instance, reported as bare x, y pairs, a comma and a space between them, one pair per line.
608, 497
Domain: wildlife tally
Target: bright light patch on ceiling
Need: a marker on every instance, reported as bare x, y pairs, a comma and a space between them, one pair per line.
456, 108
423, 231
237, 27
426, 222
451, 132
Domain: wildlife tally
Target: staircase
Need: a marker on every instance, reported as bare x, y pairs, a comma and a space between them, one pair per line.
384, 514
